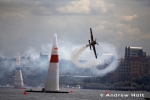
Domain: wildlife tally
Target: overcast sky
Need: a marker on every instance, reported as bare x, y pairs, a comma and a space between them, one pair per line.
32, 23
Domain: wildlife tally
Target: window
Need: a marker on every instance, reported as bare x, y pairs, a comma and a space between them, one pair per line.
135, 51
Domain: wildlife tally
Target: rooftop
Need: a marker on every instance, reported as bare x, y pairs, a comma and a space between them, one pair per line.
136, 48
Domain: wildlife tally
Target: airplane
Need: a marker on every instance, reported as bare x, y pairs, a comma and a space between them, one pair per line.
92, 43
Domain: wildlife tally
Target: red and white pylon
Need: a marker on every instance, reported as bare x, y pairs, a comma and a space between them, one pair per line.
18, 82
52, 80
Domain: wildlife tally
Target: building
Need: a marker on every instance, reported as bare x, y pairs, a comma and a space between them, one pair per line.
134, 52
135, 63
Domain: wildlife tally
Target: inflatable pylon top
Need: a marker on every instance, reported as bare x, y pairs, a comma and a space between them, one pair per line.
18, 59
55, 40
54, 54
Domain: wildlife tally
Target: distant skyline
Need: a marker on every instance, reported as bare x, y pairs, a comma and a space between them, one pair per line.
28, 25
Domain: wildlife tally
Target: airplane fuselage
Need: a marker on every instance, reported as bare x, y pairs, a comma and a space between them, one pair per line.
93, 43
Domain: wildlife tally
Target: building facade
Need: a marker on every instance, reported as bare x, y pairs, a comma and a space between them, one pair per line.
135, 63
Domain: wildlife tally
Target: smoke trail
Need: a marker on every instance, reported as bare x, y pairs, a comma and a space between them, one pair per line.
76, 53
92, 62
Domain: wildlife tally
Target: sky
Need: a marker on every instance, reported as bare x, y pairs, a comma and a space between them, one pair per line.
31, 24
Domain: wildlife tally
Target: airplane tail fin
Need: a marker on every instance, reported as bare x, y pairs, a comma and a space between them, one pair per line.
89, 45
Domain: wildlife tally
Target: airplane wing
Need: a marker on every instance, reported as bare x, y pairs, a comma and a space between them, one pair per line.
94, 50
91, 35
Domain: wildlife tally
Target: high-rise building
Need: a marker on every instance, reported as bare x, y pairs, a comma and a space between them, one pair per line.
134, 64
136, 53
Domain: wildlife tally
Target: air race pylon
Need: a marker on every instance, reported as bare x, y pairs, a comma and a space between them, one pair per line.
52, 80
18, 82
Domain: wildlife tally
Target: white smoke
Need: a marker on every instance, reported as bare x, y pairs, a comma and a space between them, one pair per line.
91, 61
76, 53
32, 53
68, 51
65, 49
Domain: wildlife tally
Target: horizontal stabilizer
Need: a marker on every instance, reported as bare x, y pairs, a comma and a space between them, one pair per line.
89, 45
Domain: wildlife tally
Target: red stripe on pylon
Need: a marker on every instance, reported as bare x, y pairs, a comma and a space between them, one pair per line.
54, 59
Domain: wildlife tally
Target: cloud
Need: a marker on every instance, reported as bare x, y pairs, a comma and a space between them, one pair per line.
115, 27
105, 22
81, 6
128, 18
127, 28
32, 23
13, 14
17, 8
146, 36
119, 33
99, 27
99, 4
86, 7
144, 2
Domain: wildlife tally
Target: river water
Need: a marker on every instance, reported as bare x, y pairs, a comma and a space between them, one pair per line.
76, 94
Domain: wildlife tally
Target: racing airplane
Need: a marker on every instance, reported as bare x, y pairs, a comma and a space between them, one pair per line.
92, 43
